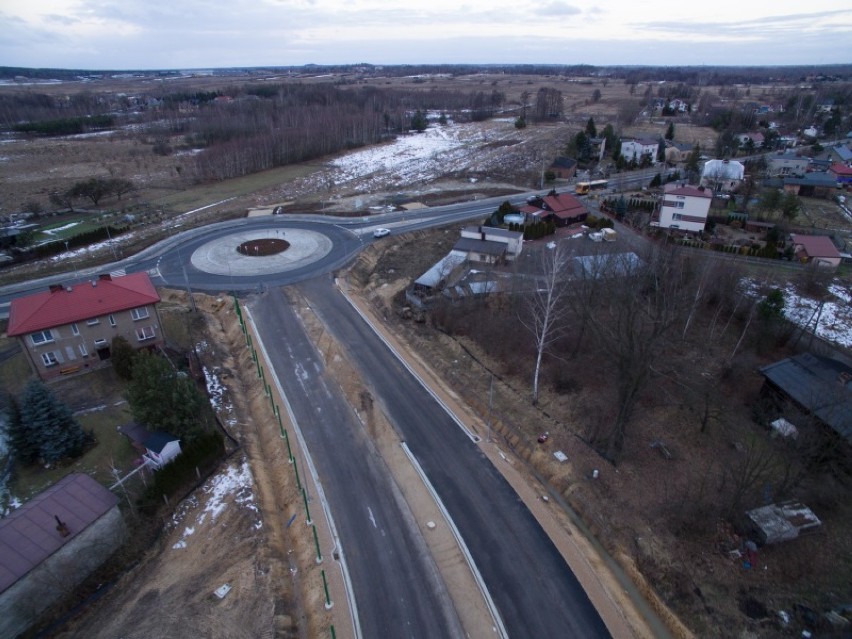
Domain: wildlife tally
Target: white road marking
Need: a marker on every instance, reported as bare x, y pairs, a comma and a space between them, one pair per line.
372, 519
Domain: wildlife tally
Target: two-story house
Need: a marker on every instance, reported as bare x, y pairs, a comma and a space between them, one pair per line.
69, 329
684, 208
635, 148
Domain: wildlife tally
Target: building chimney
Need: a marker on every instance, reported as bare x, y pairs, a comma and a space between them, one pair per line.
94, 283
61, 527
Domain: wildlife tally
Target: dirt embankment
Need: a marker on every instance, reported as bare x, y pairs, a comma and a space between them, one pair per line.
236, 529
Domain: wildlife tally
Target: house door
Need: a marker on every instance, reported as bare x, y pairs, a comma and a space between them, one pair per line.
103, 353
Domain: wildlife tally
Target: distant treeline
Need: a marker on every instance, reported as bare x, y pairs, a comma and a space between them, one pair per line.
705, 74
67, 126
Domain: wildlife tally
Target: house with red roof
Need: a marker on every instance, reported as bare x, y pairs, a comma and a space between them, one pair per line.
816, 249
69, 329
683, 208
562, 208
842, 173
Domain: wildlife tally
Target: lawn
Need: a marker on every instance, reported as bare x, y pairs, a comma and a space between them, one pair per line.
96, 399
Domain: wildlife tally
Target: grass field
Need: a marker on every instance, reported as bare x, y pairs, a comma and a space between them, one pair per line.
98, 405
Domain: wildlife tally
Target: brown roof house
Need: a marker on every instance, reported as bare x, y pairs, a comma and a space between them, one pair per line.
564, 168
52, 543
69, 329
816, 249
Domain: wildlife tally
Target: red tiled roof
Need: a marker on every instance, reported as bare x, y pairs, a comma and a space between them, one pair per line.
841, 169
564, 205
816, 245
60, 306
28, 535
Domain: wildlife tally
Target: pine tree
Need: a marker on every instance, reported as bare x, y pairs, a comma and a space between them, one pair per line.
50, 424
22, 440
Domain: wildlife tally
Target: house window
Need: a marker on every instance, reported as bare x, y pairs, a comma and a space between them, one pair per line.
93, 322
677, 216
146, 332
42, 337
138, 313
49, 359
75, 331
112, 320
83, 350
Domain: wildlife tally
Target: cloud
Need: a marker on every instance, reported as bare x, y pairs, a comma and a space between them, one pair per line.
558, 9
759, 28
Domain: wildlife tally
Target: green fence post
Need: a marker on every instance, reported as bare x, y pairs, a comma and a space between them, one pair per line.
296, 468
289, 452
333, 635
316, 543
307, 510
328, 602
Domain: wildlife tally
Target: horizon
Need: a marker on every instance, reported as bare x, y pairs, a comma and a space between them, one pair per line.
192, 35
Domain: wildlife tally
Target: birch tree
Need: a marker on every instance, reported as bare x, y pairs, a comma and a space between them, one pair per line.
546, 309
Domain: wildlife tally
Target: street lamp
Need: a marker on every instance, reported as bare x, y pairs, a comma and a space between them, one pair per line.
73, 263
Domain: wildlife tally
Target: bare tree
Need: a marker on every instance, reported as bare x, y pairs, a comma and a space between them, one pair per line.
546, 308
633, 303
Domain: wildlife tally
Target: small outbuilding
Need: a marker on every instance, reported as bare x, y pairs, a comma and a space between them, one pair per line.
782, 522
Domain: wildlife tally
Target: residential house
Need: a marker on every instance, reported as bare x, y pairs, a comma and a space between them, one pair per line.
69, 329
787, 163
842, 174
722, 176
564, 168
838, 154
635, 148
597, 148
820, 386
811, 132
480, 250
815, 249
51, 544
677, 152
157, 448
563, 208
683, 208
511, 241
816, 184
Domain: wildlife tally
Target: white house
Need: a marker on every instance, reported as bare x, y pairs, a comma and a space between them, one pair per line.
636, 148
788, 164
722, 175
513, 241
684, 208
161, 448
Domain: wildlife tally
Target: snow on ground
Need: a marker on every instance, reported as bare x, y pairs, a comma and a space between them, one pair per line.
419, 158
234, 483
835, 319
218, 394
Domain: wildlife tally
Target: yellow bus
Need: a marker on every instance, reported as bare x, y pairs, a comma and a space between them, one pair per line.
583, 188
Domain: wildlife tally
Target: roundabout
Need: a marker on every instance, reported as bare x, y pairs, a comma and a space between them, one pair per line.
253, 254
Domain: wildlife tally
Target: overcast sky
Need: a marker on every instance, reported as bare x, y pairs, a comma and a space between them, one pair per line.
186, 34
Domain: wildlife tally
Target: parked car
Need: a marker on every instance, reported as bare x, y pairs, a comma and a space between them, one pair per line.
381, 232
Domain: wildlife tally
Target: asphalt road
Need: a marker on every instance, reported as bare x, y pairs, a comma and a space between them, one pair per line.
533, 588
398, 589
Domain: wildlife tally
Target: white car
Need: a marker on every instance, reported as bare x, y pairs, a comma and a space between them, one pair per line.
381, 232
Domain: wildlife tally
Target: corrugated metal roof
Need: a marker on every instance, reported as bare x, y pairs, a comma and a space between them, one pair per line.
61, 306
821, 385
29, 534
